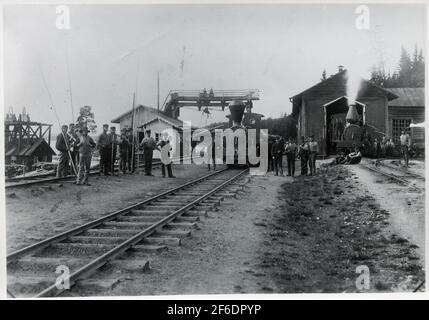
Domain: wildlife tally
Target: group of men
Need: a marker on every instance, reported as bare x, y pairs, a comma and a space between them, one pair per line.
108, 144
307, 151
148, 144
76, 148
386, 147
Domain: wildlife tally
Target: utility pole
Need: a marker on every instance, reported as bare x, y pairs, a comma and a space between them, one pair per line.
157, 84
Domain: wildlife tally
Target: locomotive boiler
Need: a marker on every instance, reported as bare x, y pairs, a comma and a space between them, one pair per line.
241, 118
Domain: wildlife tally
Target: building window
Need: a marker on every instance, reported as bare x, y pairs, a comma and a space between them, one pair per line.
398, 125
156, 136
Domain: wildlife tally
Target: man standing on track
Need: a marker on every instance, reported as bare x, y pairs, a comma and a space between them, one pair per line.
86, 144
63, 146
405, 146
103, 144
148, 143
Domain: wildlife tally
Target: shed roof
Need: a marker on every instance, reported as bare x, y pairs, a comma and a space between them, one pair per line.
118, 118
29, 149
408, 97
162, 117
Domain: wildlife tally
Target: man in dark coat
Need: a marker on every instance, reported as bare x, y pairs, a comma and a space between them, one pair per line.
123, 152
277, 154
131, 153
63, 146
103, 144
86, 145
290, 150
212, 153
148, 143
114, 142
270, 155
303, 153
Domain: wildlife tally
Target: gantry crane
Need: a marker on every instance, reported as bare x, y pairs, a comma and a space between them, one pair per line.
177, 99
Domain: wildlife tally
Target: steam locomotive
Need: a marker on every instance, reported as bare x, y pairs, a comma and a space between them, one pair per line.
357, 134
241, 117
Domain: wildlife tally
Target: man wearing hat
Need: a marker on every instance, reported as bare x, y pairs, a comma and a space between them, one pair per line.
149, 144
123, 151
114, 142
86, 144
103, 144
303, 153
277, 154
290, 150
63, 146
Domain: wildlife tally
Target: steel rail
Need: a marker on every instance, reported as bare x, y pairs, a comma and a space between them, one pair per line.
394, 177
64, 235
36, 180
40, 179
106, 257
410, 174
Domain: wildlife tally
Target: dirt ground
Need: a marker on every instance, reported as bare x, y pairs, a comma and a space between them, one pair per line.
407, 206
36, 212
281, 235
284, 235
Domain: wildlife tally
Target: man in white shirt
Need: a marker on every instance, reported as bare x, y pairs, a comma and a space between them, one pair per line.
405, 145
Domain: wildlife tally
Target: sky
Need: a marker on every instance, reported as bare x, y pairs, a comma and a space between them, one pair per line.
111, 51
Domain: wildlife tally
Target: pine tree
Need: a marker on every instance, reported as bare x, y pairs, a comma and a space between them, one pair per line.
410, 71
86, 119
405, 69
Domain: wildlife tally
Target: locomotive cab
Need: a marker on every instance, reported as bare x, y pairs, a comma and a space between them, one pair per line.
344, 124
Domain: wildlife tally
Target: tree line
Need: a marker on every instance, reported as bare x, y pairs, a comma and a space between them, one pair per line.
410, 72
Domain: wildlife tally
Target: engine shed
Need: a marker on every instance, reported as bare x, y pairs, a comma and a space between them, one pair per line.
318, 107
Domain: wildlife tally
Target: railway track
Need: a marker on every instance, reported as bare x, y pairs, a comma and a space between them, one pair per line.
48, 178
145, 227
403, 171
401, 179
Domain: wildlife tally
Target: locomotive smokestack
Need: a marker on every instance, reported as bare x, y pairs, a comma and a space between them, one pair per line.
236, 108
352, 115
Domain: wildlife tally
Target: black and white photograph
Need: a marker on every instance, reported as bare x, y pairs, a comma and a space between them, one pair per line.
196, 149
